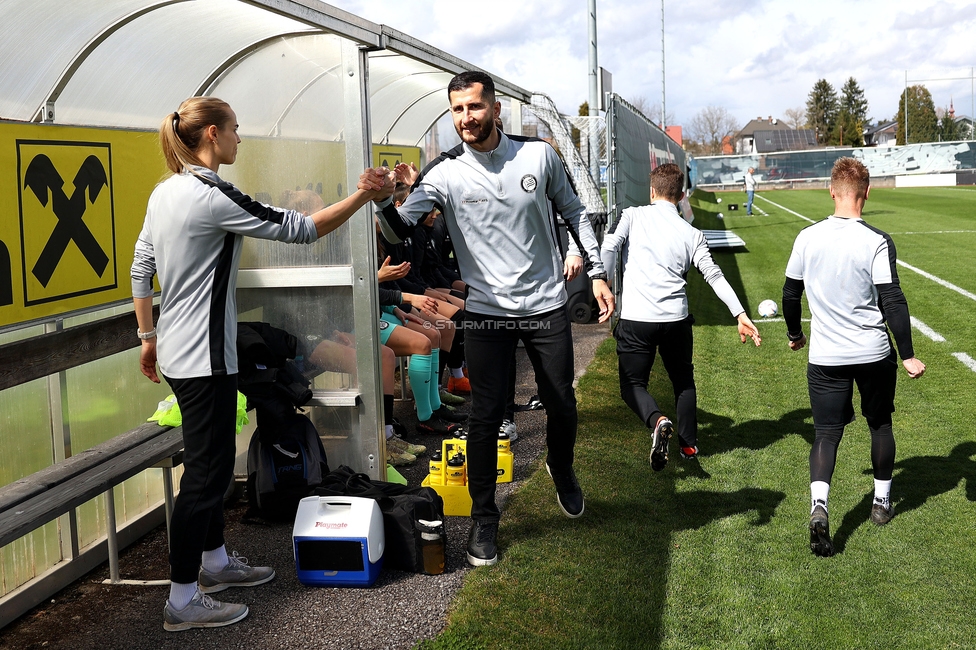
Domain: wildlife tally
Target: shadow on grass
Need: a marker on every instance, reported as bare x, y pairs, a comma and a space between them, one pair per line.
701, 507
602, 580
916, 480
609, 583
719, 434
703, 303
765, 224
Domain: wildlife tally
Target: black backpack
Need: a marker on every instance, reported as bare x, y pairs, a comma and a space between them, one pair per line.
284, 470
272, 383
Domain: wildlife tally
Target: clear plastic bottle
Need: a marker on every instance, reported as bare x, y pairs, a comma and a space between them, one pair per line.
432, 536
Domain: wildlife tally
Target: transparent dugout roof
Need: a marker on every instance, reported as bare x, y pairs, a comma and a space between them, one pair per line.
406, 97
146, 68
126, 63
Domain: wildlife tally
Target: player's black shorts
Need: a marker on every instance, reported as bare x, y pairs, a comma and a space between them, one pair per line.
832, 392
646, 338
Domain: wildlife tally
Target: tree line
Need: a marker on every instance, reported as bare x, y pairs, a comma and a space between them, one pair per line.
837, 120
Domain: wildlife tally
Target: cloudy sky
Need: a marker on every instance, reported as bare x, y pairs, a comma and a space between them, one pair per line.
753, 57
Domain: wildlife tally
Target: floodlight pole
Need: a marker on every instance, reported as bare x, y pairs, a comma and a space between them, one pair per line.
664, 112
594, 142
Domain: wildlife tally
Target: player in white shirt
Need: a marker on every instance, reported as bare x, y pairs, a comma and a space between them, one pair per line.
848, 271
659, 248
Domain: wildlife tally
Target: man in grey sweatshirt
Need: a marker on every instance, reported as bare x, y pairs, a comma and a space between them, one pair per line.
499, 195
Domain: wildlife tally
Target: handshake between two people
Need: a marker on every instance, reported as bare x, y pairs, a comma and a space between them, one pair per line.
381, 181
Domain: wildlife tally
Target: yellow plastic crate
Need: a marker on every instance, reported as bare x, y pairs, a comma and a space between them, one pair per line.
457, 501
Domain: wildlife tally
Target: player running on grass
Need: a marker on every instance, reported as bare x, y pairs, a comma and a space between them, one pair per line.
659, 249
848, 270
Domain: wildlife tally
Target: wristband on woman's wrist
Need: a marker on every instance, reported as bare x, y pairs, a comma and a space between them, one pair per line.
146, 336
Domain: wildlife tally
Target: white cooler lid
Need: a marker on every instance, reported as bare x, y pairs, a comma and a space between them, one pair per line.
342, 517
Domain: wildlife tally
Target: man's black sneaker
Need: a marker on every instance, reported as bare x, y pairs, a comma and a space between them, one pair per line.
820, 543
449, 414
482, 548
534, 404
689, 453
568, 492
659, 444
437, 426
882, 514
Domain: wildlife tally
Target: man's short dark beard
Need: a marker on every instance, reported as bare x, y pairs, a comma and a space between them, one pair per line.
483, 135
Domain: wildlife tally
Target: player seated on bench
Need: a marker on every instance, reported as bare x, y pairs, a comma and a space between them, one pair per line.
397, 272
338, 354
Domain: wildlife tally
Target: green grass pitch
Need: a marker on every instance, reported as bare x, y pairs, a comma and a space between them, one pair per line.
715, 554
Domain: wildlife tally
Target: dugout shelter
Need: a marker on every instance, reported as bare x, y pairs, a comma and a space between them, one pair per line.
320, 94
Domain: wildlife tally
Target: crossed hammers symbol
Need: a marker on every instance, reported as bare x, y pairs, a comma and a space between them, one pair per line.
41, 177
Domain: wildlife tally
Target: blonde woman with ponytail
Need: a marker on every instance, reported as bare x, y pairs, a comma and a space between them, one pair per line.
191, 239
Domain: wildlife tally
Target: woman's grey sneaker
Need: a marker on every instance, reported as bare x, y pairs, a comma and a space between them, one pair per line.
508, 427
659, 444
881, 513
569, 496
237, 573
202, 611
820, 543
482, 543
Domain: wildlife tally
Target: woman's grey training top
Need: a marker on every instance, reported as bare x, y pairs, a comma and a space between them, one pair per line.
192, 238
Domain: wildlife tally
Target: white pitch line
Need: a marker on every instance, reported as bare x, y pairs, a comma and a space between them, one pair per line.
783, 207
938, 280
933, 232
933, 278
777, 320
927, 331
967, 360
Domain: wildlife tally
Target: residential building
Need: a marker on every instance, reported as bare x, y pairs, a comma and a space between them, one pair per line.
744, 140
882, 134
770, 141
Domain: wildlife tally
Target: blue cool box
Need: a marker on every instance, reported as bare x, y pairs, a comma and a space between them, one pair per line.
338, 541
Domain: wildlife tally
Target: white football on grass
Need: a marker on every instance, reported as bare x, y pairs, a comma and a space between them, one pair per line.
768, 309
